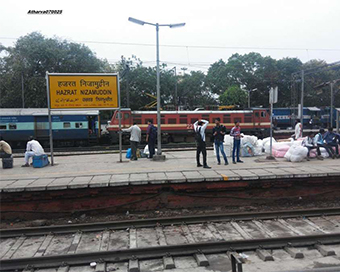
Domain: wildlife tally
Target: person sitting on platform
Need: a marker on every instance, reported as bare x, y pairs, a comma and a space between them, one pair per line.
309, 143
319, 140
5, 149
33, 148
331, 141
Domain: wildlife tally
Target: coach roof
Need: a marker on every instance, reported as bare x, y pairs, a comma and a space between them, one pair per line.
43, 112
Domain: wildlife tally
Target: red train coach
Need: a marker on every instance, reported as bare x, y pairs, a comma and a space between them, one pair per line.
177, 126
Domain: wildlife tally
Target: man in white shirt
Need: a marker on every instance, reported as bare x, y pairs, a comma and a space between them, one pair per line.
298, 129
135, 138
199, 128
33, 148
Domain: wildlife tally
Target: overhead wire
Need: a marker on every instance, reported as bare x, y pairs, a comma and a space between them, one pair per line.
201, 46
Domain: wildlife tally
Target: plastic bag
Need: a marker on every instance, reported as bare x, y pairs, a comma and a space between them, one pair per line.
247, 150
296, 153
128, 153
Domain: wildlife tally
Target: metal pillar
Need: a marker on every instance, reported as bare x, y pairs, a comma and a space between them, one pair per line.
49, 118
159, 133
120, 123
271, 129
175, 100
302, 96
332, 103
127, 87
249, 99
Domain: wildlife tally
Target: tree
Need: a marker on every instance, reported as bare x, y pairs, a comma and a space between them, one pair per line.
218, 77
192, 91
30, 58
234, 95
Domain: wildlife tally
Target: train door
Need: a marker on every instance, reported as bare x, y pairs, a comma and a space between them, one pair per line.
41, 129
257, 118
92, 126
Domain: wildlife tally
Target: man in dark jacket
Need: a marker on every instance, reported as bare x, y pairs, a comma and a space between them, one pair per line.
199, 128
151, 136
218, 132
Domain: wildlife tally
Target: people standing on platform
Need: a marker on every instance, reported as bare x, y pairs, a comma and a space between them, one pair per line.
319, 140
151, 137
5, 149
218, 132
309, 143
33, 148
330, 139
298, 129
199, 128
236, 133
135, 138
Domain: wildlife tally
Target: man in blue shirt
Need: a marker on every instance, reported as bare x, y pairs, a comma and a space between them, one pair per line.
319, 140
331, 141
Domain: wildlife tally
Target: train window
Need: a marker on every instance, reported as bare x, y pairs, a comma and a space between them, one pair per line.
148, 119
257, 114
162, 120
117, 115
171, 121
226, 118
126, 116
183, 116
67, 125
205, 116
237, 119
263, 114
137, 120
193, 120
12, 126
248, 119
3, 126
79, 125
183, 120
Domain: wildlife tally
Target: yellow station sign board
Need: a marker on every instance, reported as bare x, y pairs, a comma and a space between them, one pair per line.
77, 91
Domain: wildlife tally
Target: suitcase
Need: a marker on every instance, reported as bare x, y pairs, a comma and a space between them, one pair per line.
40, 161
7, 163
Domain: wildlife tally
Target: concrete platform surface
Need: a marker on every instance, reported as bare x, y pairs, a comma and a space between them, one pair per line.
103, 170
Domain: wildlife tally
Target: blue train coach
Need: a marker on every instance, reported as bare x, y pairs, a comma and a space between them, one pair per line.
70, 128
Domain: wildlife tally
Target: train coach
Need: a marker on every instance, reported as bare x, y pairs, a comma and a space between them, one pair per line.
313, 117
177, 126
70, 128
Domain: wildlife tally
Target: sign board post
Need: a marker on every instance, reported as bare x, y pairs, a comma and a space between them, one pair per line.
77, 91
273, 97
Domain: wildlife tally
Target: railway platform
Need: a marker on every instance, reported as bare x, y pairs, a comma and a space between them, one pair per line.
99, 182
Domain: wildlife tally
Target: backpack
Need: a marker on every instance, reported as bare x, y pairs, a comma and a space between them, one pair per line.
198, 136
153, 132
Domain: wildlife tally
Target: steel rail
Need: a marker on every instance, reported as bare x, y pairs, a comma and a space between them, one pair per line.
161, 251
167, 221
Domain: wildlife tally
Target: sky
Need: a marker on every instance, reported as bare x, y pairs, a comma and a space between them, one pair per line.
215, 29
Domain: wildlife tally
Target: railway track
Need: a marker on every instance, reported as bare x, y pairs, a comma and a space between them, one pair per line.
130, 245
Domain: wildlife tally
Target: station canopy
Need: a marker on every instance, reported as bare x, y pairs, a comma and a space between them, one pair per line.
313, 109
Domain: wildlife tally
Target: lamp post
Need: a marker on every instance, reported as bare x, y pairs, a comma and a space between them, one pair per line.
159, 134
249, 91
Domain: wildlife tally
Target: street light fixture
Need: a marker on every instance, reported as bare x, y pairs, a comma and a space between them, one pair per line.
249, 91
159, 134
